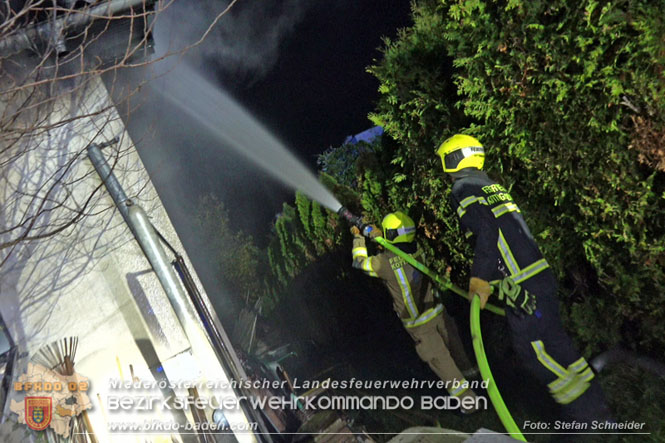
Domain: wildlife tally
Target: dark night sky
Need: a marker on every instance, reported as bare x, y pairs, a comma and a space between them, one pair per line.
318, 92
298, 66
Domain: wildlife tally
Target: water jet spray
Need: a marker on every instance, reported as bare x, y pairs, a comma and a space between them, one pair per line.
235, 128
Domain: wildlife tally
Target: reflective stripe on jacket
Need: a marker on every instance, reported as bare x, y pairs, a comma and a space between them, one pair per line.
504, 245
413, 297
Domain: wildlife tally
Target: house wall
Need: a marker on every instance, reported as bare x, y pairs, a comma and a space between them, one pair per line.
91, 279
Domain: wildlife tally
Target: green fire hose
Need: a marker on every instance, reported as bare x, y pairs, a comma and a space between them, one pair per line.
476, 335
478, 348
486, 373
443, 284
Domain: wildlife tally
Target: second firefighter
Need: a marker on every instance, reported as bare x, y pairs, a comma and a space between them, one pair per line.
423, 316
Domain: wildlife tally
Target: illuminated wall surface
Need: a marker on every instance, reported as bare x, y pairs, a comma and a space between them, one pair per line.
91, 280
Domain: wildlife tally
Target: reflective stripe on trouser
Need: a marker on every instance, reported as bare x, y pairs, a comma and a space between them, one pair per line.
571, 382
459, 388
434, 345
559, 356
423, 318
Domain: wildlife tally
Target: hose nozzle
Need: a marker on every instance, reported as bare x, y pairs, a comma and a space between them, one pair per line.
354, 220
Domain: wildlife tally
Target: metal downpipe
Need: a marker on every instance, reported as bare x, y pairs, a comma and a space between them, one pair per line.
145, 235
148, 239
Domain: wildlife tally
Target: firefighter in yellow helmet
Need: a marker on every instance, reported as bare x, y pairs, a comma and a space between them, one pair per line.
506, 254
424, 317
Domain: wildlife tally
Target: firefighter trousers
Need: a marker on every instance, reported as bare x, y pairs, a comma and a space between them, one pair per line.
439, 345
548, 353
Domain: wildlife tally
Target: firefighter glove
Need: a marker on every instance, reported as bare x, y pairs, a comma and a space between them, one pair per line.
516, 296
354, 230
374, 231
480, 287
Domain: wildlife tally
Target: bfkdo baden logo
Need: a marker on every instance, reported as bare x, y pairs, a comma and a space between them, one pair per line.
38, 412
50, 399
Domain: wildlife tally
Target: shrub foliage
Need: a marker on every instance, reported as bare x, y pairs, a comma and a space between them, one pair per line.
569, 102
568, 99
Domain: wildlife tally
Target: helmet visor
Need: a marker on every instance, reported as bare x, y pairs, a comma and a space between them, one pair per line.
453, 159
392, 234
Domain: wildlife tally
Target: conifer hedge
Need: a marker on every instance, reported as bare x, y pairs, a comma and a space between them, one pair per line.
568, 97
569, 100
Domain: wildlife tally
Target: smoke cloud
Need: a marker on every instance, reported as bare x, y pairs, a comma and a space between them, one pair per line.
244, 44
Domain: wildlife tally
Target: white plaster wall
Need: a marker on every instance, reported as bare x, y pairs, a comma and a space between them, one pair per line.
91, 280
